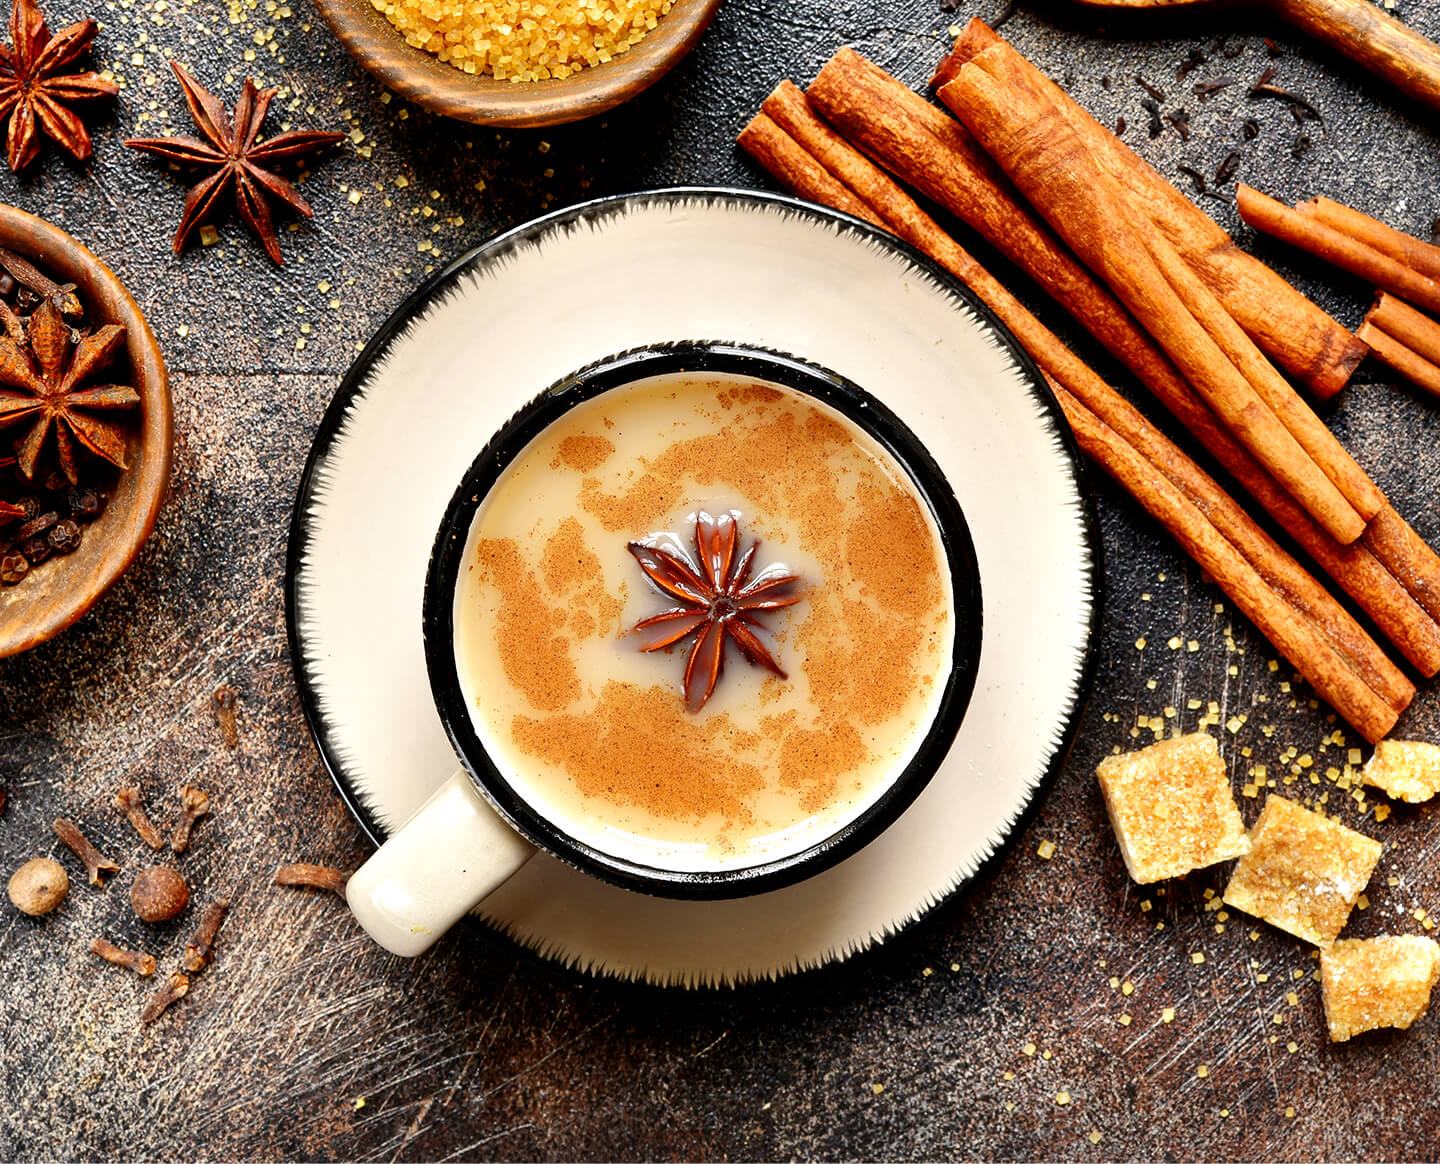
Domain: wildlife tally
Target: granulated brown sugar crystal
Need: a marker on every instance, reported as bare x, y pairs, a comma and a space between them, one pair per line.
1303, 873
1172, 808
524, 40
1405, 769
1377, 982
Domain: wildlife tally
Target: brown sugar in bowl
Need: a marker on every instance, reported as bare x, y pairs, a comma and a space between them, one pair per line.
433, 84
62, 588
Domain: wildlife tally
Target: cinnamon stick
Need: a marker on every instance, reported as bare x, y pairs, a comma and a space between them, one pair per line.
1399, 356
1030, 138
1019, 79
1353, 567
931, 151
1421, 257
1407, 556
1292, 330
1416, 330
791, 112
777, 152
1307, 232
1294, 635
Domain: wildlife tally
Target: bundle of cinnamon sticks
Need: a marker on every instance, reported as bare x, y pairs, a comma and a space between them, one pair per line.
1163, 287
1404, 269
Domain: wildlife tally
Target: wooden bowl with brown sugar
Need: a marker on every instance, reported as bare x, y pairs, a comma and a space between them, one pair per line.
436, 85
63, 587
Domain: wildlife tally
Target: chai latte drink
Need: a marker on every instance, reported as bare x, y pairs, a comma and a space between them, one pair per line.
828, 570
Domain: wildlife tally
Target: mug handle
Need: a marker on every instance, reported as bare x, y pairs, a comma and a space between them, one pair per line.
437, 867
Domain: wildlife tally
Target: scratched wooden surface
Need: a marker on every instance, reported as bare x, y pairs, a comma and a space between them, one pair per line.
305, 1041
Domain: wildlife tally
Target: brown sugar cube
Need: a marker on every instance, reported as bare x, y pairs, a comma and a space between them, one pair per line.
1377, 982
1172, 808
1303, 872
1404, 769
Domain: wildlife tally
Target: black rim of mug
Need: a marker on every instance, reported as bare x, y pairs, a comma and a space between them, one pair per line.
619, 371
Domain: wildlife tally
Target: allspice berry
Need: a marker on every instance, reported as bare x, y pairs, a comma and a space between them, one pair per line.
39, 886
159, 894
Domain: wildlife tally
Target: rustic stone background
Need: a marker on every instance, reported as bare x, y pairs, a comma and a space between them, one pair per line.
303, 1040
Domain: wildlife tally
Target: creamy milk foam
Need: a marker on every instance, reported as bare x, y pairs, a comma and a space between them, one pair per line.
593, 733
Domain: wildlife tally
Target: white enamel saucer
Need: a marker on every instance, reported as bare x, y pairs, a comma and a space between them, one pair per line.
526, 309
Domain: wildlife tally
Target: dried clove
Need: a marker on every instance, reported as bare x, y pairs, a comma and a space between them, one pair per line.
193, 805
1251, 129
1197, 179
142, 964
312, 876
4, 797
1180, 119
28, 276
175, 988
224, 700
89, 856
200, 949
1120, 126
127, 800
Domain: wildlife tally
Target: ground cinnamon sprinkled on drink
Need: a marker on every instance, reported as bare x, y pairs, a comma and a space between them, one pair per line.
583, 453
524, 40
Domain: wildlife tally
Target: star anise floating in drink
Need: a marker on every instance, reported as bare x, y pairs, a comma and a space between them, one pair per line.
53, 392
719, 600
231, 151
36, 92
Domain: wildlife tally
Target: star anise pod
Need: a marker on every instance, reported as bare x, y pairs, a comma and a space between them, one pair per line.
51, 393
230, 149
34, 91
719, 600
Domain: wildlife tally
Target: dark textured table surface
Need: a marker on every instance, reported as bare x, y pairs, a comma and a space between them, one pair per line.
960, 1038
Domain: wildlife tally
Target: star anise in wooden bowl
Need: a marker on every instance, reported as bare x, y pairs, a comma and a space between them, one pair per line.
85, 430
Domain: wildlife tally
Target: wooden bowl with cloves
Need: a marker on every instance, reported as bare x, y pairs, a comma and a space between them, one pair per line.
85, 430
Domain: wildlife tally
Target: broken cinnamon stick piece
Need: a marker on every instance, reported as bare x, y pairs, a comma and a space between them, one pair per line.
175, 988
1421, 257
777, 152
1305, 231
1295, 332
1409, 363
89, 856
127, 800
1416, 330
312, 876
142, 964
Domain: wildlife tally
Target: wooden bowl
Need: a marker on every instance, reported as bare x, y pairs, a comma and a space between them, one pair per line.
64, 587
432, 84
